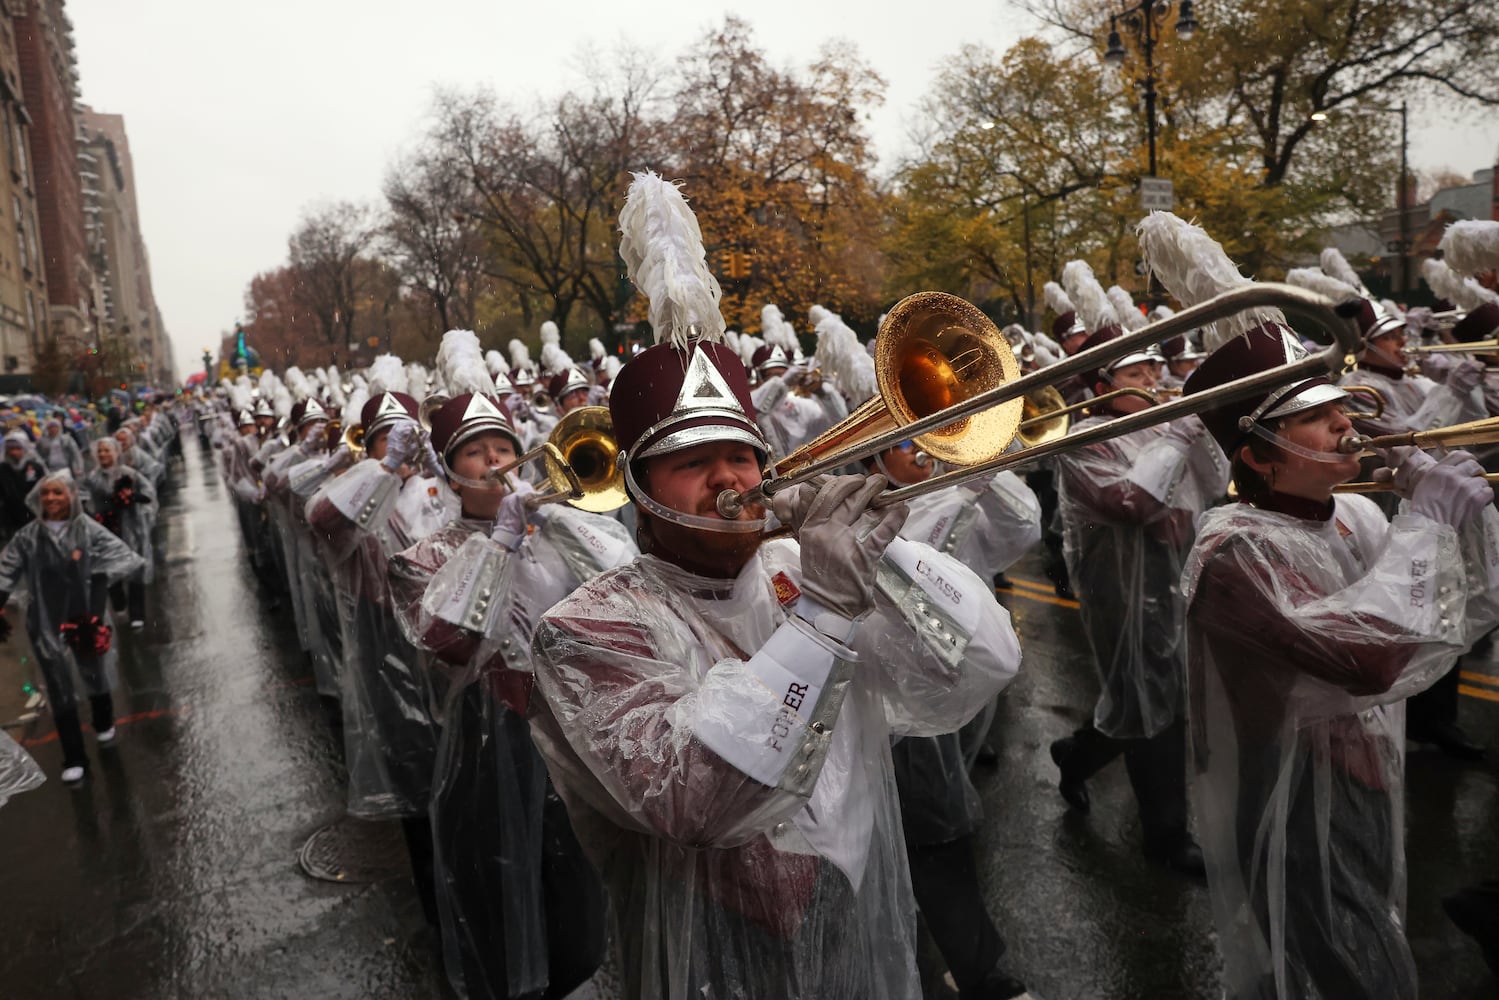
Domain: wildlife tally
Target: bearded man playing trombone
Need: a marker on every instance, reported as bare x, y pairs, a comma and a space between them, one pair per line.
717, 714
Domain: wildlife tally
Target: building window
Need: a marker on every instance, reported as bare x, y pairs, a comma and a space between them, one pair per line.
31, 315
21, 232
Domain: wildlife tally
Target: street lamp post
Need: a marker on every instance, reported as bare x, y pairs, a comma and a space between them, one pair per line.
1142, 19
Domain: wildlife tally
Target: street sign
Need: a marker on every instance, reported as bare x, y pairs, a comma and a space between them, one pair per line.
1156, 194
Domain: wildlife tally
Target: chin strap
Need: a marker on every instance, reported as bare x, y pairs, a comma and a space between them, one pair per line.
1330, 457
683, 518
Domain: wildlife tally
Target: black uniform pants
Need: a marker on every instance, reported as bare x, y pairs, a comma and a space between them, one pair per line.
70, 730
1157, 771
1043, 483
945, 882
1434, 708
131, 596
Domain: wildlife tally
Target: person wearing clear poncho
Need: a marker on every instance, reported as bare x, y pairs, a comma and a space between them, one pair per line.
20, 471
717, 714
64, 562
521, 909
121, 499
790, 414
1128, 506
58, 450
987, 523
1310, 619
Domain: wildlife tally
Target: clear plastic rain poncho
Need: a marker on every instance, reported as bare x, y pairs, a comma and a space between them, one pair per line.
121, 499
1128, 508
1305, 638
291, 550
59, 451
65, 576
1416, 403
135, 456
790, 419
987, 525
522, 909
313, 574
390, 736
18, 772
729, 771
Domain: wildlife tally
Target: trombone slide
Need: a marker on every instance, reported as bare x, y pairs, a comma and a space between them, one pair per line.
1368, 487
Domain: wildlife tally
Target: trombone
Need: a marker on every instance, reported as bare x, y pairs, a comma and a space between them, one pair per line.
1471, 347
921, 359
580, 463
1474, 432
1046, 416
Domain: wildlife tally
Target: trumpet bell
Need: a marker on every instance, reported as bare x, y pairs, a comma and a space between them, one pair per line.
429, 407
585, 437
354, 437
934, 351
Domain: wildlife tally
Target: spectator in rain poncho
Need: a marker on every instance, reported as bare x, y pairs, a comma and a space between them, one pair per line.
133, 455
19, 474
58, 450
121, 499
66, 561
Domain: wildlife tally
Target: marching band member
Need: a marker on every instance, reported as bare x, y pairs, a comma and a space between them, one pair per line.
521, 909
717, 713
1129, 505
1310, 619
794, 404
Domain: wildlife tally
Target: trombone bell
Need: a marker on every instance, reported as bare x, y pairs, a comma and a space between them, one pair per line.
585, 437
934, 351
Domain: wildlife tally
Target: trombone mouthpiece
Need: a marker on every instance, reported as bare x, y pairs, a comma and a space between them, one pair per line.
730, 505
1353, 444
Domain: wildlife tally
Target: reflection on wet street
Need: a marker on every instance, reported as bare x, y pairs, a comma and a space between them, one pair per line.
173, 871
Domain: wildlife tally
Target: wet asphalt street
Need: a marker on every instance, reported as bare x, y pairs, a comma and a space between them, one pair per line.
173, 871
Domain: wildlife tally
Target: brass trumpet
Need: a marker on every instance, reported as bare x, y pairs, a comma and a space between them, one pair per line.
354, 438
948, 380
1474, 432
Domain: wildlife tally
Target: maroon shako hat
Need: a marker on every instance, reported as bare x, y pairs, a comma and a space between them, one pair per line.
384, 409
466, 416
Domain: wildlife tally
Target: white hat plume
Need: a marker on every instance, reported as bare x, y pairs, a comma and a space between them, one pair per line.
662, 248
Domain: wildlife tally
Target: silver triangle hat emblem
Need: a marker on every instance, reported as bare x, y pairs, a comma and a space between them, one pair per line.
390, 406
704, 387
313, 410
480, 408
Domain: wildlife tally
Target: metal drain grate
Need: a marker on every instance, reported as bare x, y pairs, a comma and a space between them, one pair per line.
354, 851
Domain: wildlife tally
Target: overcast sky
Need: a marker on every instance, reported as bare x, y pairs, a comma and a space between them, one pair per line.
239, 115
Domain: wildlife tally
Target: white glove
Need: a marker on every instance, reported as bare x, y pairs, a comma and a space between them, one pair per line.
1451, 491
401, 445
793, 376
510, 522
842, 540
339, 455
1465, 376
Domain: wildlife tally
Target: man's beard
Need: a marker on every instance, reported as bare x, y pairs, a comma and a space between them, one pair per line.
703, 551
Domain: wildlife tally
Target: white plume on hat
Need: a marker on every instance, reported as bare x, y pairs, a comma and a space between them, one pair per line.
1323, 284
1194, 267
1130, 316
1336, 265
550, 334
239, 396
731, 337
1471, 246
496, 363
460, 362
844, 360
387, 374
748, 345
281, 400
1464, 293
418, 380
1056, 299
335, 386
596, 349
1093, 305
520, 354
662, 248
778, 332
296, 383
554, 359
1160, 312
354, 406
1390, 307
610, 366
